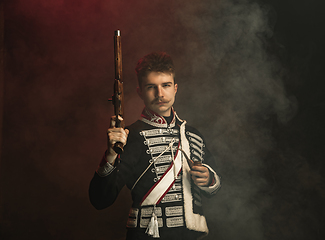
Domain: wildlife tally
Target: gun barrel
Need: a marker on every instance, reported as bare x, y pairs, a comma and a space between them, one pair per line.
118, 55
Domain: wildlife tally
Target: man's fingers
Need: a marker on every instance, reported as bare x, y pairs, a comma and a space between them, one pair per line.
199, 168
127, 131
200, 180
200, 175
113, 121
117, 135
197, 174
200, 171
116, 130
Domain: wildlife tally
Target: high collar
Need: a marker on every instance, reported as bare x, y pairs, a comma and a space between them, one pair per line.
154, 119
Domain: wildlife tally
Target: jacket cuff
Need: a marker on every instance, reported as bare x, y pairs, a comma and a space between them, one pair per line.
213, 188
104, 168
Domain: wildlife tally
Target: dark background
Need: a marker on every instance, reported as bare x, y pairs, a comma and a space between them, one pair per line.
251, 79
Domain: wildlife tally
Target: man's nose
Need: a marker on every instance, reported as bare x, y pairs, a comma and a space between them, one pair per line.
159, 92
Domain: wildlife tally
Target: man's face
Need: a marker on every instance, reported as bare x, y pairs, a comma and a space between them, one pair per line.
158, 92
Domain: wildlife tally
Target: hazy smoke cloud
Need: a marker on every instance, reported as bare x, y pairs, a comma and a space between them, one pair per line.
236, 90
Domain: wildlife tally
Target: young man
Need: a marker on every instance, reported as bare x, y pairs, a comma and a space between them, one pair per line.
165, 163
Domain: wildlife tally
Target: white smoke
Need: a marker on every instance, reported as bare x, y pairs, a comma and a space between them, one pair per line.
233, 92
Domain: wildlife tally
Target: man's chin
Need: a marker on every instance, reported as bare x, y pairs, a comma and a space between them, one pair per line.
162, 111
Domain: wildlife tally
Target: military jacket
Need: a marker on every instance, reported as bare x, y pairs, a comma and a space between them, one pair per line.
152, 148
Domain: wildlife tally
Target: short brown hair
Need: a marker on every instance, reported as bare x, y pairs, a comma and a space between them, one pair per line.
154, 62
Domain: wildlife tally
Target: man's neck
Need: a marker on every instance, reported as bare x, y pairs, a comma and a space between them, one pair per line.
168, 119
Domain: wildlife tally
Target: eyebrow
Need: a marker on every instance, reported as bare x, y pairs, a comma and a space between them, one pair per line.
151, 84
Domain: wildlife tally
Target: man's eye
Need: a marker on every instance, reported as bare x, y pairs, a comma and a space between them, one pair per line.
166, 85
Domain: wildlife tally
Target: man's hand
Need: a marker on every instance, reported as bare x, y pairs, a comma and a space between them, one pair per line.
115, 135
200, 175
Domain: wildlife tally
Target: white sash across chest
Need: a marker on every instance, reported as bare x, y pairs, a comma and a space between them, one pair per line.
161, 187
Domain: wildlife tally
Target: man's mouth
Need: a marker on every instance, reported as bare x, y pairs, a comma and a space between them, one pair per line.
158, 102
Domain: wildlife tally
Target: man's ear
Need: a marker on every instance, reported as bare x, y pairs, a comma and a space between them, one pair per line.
139, 91
175, 87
